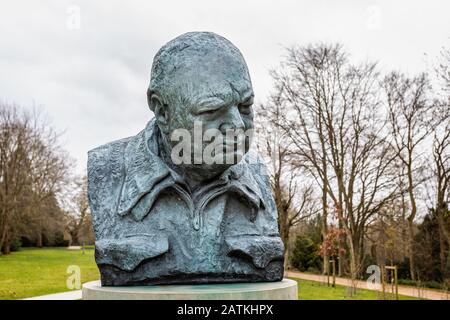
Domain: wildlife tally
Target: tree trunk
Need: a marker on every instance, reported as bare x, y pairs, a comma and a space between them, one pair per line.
442, 256
353, 264
286, 257
75, 240
6, 249
283, 225
326, 264
3, 236
361, 255
442, 241
412, 264
285, 238
412, 199
341, 245
39, 239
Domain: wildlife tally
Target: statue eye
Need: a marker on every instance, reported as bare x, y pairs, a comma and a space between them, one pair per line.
245, 108
207, 112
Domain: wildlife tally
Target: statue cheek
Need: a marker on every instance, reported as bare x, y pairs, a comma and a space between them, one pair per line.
248, 122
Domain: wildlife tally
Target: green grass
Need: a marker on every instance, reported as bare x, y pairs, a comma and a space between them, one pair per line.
34, 272
312, 290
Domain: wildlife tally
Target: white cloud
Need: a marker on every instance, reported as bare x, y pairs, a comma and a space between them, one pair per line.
92, 80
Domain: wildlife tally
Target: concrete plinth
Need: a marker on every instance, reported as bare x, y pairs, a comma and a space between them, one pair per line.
281, 290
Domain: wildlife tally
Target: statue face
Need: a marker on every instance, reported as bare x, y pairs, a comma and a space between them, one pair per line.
214, 94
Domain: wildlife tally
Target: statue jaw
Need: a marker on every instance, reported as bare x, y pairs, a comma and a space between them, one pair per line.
207, 160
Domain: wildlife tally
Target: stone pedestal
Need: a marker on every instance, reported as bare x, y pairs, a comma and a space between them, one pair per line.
281, 290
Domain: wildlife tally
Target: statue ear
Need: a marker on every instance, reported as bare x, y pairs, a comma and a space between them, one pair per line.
161, 111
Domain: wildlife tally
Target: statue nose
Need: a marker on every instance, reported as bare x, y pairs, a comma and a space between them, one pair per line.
233, 121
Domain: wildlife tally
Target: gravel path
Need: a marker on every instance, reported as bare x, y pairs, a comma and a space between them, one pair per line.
403, 290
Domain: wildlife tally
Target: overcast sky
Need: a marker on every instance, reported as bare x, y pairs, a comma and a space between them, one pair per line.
87, 64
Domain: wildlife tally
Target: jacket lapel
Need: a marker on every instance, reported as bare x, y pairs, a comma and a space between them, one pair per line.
143, 170
146, 175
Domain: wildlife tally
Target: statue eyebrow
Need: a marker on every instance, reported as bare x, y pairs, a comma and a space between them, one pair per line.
217, 98
214, 100
247, 92
248, 95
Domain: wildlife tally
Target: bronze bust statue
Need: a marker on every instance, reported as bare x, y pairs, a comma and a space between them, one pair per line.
166, 212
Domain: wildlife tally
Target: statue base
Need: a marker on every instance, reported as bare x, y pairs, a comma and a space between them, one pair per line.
280, 290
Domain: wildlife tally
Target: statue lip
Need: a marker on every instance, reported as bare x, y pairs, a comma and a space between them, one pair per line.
229, 143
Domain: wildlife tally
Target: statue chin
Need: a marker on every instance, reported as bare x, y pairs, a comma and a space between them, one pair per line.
206, 171
211, 167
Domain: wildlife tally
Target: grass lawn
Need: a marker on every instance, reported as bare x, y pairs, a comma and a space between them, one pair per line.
35, 272
312, 290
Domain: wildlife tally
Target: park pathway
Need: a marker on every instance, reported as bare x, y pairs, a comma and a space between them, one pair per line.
403, 290
68, 295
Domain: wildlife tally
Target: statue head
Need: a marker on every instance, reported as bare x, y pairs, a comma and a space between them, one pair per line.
200, 81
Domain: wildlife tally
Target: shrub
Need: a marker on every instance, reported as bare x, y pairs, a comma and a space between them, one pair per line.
407, 282
16, 244
433, 284
305, 254
60, 241
425, 284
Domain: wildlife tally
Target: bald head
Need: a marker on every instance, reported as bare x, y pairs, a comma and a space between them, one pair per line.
196, 64
201, 79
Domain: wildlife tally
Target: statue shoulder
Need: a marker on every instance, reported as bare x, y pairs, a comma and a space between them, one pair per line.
106, 158
256, 163
105, 175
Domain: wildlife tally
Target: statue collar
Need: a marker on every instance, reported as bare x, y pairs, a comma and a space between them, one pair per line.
147, 175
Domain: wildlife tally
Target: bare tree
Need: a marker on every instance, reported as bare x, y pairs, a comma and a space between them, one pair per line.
79, 223
294, 202
386, 234
413, 116
331, 114
32, 171
441, 157
438, 189
443, 71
